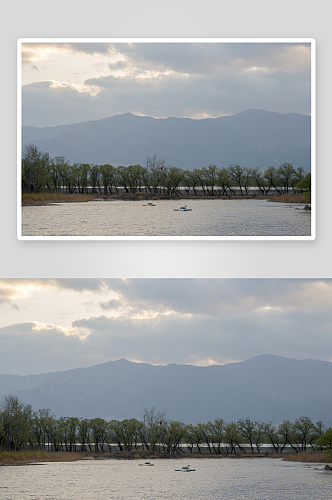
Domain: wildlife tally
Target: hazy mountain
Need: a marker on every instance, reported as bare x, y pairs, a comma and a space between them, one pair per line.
252, 138
263, 388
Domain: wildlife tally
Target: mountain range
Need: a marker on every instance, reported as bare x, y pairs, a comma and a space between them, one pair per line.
252, 138
265, 388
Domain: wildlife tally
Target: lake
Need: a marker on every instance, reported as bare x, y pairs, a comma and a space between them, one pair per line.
208, 218
231, 479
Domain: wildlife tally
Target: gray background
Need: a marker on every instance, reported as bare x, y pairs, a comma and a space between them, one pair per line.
152, 18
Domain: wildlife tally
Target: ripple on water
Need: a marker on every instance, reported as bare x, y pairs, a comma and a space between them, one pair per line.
213, 479
131, 218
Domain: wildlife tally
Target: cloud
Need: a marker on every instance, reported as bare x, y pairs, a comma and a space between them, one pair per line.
215, 296
185, 296
27, 349
163, 321
162, 96
165, 79
10, 289
214, 58
43, 51
111, 304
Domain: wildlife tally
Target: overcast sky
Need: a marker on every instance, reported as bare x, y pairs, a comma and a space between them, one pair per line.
73, 82
54, 325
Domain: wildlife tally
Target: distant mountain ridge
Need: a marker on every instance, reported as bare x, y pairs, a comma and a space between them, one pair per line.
263, 388
252, 138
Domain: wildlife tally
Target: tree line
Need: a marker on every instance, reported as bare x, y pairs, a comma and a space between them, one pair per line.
41, 173
23, 428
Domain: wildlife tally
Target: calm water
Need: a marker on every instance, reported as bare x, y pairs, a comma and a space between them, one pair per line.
131, 218
254, 479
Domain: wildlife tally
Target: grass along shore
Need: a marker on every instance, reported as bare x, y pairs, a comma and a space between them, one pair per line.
33, 457
40, 199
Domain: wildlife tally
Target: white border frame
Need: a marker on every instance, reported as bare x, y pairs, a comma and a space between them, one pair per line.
311, 41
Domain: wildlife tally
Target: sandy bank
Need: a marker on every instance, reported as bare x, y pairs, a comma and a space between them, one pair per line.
40, 199
33, 457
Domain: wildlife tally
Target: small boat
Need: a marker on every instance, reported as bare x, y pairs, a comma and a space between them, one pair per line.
147, 464
185, 469
149, 205
182, 209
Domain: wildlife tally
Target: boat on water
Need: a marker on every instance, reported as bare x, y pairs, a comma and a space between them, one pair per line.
182, 209
147, 464
149, 205
185, 469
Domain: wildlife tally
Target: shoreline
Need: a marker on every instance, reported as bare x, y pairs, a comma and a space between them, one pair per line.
43, 199
17, 458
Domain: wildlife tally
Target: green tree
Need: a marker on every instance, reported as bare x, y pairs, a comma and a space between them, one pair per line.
216, 429
273, 436
173, 179
304, 186
319, 430
224, 181
190, 181
302, 428
94, 177
211, 176
246, 429
259, 180
34, 169
85, 169
325, 443
16, 423
195, 436
200, 174
84, 433
271, 176
152, 427
325, 440
205, 432
287, 434
45, 429
108, 175
237, 174
247, 178
99, 433
156, 171
125, 433
231, 436
172, 434
65, 173
300, 173
286, 173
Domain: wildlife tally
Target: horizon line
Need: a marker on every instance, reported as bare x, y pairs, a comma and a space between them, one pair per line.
170, 117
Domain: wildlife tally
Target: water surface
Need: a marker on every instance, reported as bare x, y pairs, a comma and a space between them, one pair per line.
131, 218
231, 479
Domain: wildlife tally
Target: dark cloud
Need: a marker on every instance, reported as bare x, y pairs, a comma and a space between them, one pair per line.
111, 304
25, 350
165, 95
176, 320
210, 58
118, 65
177, 79
213, 296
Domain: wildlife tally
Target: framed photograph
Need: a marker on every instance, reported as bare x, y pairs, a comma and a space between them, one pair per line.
181, 139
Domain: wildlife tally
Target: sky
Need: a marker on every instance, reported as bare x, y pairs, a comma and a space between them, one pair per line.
49, 325
65, 83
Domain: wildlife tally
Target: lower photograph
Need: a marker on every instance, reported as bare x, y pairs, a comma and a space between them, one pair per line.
110, 387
